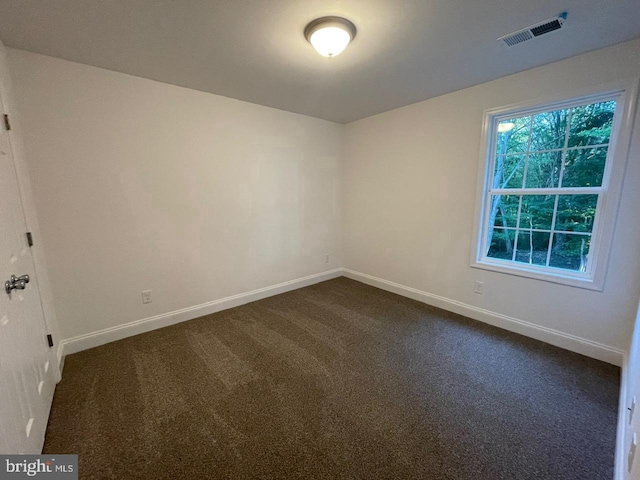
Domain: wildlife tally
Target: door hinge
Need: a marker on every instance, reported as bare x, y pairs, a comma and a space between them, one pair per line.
50, 340
30, 239
7, 124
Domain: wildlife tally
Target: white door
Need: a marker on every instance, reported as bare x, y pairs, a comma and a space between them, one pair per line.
27, 378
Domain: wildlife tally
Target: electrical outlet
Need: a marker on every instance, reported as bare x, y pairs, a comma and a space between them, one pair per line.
326, 258
146, 296
478, 287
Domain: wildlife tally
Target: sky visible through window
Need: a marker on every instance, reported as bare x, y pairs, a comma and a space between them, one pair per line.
536, 215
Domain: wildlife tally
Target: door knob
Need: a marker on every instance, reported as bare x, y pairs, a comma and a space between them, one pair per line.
16, 283
24, 278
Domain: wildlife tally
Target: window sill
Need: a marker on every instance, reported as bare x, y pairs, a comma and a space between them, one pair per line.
582, 281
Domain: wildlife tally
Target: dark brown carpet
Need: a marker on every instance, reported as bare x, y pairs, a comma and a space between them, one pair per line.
337, 380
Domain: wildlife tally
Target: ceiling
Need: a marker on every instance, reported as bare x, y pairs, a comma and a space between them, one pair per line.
254, 50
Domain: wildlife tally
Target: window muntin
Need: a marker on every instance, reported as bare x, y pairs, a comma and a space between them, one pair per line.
545, 186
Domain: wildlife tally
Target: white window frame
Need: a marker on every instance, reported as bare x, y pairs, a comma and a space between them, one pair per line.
625, 94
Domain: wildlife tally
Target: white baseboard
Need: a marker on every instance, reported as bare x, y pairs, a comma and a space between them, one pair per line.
548, 335
554, 337
101, 337
620, 464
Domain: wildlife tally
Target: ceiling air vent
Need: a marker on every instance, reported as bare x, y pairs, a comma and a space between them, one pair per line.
534, 30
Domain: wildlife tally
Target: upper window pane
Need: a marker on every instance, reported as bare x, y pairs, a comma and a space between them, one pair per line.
549, 130
543, 170
509, 171
563, 148
513, 135
591, 124
584, 167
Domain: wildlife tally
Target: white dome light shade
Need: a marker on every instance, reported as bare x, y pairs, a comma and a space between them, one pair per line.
330, 35
330, 41
506, 127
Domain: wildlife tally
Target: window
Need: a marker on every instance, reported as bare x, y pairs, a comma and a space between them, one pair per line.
550, 189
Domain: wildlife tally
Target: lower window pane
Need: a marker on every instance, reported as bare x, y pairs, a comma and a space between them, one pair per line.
576, 213
504, 210
584, 167
570, 251
537, 211
532, 247
501, 244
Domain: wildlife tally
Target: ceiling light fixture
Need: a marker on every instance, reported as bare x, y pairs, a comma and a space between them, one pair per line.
506, 127
330, 35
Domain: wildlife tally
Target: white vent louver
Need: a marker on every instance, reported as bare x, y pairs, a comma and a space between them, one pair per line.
534, 30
